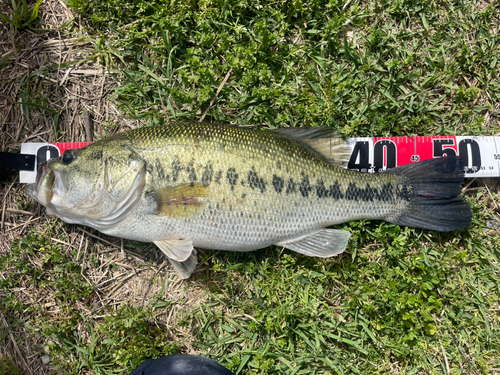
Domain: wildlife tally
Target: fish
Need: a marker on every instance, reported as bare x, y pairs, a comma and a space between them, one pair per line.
221, 187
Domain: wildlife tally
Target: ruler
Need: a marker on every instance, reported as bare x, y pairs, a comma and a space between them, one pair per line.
480, 154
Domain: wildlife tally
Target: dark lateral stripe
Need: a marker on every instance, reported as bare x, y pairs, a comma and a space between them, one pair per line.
191, 172
290, 186
255, 181
218, 177
367, 194
403, 192
305, 187
278, 183
208, 174
160, 171
176, 168
333, 191
232, 177
386, 193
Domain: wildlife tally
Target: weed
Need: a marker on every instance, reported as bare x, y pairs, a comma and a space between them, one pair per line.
21, 17
124, 340
7, 367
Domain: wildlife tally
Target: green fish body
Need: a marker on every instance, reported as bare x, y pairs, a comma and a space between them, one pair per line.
230, 188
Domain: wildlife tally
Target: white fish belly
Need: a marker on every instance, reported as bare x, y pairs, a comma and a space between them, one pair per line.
270, 222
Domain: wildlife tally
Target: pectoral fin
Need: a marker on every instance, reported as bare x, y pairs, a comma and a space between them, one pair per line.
186, 268
178, 250
181, 201
324, 243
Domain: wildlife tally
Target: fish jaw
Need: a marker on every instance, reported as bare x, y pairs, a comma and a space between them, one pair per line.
47, 189
42, 190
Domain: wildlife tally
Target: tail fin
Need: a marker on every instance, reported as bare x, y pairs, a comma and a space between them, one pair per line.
434, 188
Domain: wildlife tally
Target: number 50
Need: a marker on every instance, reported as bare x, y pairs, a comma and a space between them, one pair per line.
468, 149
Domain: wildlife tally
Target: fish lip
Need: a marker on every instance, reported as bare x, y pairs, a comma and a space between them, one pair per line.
42, 189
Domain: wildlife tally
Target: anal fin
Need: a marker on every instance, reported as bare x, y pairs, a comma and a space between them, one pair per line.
324, 243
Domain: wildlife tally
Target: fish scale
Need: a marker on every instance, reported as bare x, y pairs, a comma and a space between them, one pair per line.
230, 188
246, 198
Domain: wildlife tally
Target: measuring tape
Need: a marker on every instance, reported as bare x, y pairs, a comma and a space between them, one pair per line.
480, 155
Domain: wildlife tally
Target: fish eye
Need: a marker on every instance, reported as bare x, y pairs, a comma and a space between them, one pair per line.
68, 157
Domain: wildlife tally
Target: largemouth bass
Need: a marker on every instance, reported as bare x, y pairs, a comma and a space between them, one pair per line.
223, 187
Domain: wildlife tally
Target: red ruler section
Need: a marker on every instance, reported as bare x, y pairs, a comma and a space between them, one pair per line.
480, 155
69, 145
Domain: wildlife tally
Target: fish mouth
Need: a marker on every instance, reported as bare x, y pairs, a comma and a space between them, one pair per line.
42, 189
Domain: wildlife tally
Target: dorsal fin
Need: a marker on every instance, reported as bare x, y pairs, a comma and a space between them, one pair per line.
323, 141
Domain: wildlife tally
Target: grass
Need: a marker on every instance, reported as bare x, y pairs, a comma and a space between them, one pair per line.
400, 300
367, 69
20, 15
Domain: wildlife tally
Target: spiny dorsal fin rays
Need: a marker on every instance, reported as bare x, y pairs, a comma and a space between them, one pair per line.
335, 150
178, 250
181, 201
323, 141
323, 243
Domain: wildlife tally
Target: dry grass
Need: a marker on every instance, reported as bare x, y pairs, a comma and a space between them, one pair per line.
54, 69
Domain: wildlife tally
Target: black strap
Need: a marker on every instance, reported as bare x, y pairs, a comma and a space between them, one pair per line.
19, 162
